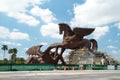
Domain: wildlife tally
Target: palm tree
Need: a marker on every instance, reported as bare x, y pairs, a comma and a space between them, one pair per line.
13, 53
4, 48
10, 51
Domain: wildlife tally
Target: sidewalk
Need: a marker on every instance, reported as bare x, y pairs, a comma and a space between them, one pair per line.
55, 72
62, 75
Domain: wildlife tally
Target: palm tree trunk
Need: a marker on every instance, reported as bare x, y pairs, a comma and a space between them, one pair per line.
4, 55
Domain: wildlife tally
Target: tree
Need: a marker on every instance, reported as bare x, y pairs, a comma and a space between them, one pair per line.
13, 53
4, 48
5, 60
20, 60
10, 51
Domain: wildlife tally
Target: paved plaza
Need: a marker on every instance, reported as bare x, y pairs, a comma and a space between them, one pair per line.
62, 75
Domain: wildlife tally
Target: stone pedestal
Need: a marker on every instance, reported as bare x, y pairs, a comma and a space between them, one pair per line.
81, 57
84, 56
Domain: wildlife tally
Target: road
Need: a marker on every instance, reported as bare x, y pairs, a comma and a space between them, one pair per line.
62, 75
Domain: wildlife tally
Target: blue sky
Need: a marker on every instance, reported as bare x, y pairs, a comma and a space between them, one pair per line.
25, 23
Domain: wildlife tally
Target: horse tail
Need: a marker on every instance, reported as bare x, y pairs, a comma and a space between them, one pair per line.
94, 44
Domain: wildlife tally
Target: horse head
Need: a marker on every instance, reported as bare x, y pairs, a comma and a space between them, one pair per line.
61, 28
66, 28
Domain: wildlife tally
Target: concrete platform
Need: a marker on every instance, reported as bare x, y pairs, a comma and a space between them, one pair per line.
62, 75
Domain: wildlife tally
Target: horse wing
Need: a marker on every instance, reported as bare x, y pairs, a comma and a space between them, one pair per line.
33, 50
83, 31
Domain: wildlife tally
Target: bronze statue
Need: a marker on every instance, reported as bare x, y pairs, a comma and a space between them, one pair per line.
39, 57
72, 39
77, 36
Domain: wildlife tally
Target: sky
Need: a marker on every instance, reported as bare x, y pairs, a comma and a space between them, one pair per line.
26, 23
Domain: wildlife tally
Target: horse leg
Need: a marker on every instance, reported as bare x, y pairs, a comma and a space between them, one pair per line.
62, 50
61, 57
94, 44
62, 60
56, 51
87, 44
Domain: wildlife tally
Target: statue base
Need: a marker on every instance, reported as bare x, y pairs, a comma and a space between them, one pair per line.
81, 56
85, 56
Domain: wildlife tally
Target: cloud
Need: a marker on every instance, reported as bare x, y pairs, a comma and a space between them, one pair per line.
111, 47
118, 34
43, 43
18, 6
15, 34
27, 11
4, 32
100, 31
96, 12
19, 35
18, 9
115, 51
117, 25
11, 43
25, 49
24, 18
45, 14
51, 30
